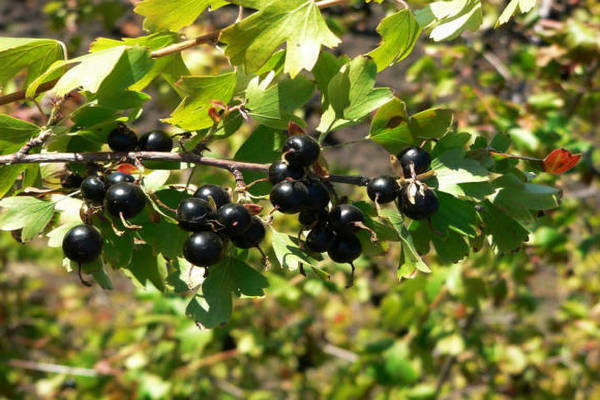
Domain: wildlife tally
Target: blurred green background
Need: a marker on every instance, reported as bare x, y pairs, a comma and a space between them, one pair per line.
496, 326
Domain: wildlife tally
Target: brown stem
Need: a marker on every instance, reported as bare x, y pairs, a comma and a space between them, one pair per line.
20, 94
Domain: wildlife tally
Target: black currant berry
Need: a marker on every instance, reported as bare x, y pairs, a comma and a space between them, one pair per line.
218, 194
82, 244
320, 238
234, 218
203, 248
343, 218
156, 141
289, 196
301, 150
93, 188
71, 181
345, 249
119, 177
122, 139
414, 155
252, 237
194, 214
318, 196
308, 217
279, 171
124, 198
383, 189
425, 204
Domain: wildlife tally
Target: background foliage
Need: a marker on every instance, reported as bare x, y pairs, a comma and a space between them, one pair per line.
511, 324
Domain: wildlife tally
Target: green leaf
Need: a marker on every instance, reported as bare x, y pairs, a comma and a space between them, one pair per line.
117, 250
327, 67
524, 6
35, 55
274, 106
411, 258
27, 213
394, 130
145, 268
515, 197
262, 146
8, 177
351, 95
192, 112
458, 215
253, 40
507, 234
450, 18
453, 170
172, 15
399, 33
111, 70
14, 133
450, 247
102, 278
229, 276
288, 254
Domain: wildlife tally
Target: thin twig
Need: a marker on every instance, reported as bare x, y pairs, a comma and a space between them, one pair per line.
53, 368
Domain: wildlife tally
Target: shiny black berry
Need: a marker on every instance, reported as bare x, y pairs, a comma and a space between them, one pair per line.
308, 217
320, 238
71, 181
414, 155
119, 177
93, 188
156, 141
252, 237
424, 206
203, 248
122, 139
234, 218
82, 244
345, 249
383, 189
124, 198
318, 196
289, 196
218, 194
279, 170
301, 150
194, 214
343, 218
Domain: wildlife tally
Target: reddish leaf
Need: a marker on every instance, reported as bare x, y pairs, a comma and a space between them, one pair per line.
254, 209
295, 129
560, 161
127, 168
214, 114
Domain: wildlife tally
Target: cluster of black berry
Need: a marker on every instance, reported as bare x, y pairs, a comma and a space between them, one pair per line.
413, 198
214, 220
297, 190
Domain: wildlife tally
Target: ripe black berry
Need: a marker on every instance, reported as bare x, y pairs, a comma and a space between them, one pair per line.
194, 214
126, 198
203, 248
320, 238
308, 217
425, 204
301, 150
289, 196
343, 218
122, 139
383, 189
93, 188
252, 237
414, 155
279, 170
119, 177
318, 196
71, 181
82, 244
234, 218
345, 249
218, 194
156, 141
